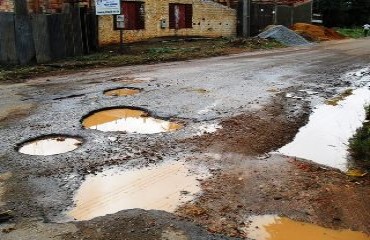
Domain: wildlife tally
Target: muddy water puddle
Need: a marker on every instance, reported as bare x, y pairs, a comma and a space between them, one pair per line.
273, 227
51, 145
122, 92
161, 187
128, 120
325, 138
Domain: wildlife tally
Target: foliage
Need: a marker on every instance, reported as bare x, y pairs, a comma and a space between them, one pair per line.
343, 12
360, 143
351, 32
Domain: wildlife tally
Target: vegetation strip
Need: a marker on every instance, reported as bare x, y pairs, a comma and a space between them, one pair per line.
360, 143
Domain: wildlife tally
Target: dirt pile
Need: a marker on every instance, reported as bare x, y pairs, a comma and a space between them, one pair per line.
316, 33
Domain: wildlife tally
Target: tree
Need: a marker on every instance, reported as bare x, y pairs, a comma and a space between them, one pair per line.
343, 12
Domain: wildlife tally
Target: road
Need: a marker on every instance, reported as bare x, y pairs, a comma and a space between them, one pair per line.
245, 94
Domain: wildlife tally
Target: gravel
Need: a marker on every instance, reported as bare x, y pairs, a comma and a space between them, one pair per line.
284, 35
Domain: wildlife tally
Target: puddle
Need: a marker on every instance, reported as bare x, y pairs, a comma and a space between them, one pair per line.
128, 120
162, 187
325, 138
50, 145
120, 92
272, 227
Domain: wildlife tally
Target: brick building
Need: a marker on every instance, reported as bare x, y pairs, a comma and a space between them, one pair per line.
159, 18
145, 19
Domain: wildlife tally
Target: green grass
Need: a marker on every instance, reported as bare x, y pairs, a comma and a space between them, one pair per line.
351, 32
139, 53
360, 143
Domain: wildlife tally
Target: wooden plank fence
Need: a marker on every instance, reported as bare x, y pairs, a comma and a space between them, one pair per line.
46, 37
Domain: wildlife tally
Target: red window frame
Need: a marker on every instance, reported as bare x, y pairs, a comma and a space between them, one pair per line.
180, 16
134, 13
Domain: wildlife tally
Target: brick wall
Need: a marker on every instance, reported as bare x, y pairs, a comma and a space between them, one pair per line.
210, 19
6, 6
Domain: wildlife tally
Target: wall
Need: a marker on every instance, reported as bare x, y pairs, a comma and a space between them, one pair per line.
6, 6
210, 19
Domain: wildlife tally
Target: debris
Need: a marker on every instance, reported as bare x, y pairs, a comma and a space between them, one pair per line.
284, 35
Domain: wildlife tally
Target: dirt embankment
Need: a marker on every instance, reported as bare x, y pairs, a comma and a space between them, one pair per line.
258, 132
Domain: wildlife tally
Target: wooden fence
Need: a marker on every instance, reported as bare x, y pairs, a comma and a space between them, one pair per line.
45, 37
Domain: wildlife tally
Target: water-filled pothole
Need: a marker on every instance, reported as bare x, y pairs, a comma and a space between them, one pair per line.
272, 227
50, 145
121, 92
128, 120
325, 138
161, 187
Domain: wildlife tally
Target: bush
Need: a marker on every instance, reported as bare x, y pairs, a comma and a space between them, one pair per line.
360, 143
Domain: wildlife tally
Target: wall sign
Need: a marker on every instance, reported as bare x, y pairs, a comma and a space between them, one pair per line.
107, 7
120, 21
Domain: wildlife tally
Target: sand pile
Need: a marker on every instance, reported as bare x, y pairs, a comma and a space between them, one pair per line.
316, 33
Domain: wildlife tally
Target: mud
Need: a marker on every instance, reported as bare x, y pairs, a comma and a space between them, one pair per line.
121, 92
272, 227
255, 133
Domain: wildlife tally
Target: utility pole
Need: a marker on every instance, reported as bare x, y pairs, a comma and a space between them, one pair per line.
246, 20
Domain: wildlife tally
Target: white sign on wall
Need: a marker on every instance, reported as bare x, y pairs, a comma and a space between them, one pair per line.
107, 7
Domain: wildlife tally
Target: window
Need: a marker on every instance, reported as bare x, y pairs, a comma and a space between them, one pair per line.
181, 16
134, 15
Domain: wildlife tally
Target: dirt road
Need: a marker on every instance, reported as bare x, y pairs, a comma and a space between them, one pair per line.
240, 100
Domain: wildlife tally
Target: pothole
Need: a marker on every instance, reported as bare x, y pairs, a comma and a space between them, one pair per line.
50, 145
324, 139
128, 120
161, 187
121, 92
272, 227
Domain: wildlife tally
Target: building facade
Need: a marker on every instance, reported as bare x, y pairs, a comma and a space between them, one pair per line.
147, 19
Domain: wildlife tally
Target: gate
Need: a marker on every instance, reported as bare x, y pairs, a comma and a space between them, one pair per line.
262, 15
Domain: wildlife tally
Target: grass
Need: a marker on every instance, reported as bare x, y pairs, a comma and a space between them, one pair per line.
351, 32
359, 144
139, 53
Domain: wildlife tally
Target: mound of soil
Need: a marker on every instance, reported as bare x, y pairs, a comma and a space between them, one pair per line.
317, 33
